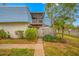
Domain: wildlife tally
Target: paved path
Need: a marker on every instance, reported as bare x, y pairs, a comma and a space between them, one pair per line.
39, 51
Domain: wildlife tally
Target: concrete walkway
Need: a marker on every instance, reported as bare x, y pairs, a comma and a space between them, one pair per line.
39, 51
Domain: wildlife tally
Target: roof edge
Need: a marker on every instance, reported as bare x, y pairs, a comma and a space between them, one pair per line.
37, 12
14, 6
14, 22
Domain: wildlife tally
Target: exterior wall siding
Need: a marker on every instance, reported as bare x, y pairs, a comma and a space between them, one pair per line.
13, 27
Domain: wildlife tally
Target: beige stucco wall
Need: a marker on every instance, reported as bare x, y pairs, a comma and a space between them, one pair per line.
44, 31
12, 27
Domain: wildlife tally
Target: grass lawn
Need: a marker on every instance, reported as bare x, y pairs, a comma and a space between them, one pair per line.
62, 49
71, 40
16, 52
17, 41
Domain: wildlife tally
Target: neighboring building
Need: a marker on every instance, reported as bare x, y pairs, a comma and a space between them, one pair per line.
37, 19
13, 19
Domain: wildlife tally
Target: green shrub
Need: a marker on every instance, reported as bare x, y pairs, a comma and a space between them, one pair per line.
31, 33
49, 37
20, 34
8, 35
3, 34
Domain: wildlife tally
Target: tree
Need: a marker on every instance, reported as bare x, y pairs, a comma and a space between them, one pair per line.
69, 27
51, 9
62, 14
77, 28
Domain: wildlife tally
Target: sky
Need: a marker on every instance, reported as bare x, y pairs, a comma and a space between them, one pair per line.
33, 7
37, 7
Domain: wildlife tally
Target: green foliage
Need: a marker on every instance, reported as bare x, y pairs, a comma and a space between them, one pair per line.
3, 34
16, 52
31, 33
49, 38
61, 14
20, 34
8, 35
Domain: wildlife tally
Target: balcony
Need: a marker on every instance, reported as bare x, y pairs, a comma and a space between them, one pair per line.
36, 23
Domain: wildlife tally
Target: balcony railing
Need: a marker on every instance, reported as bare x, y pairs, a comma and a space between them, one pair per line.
37, 21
